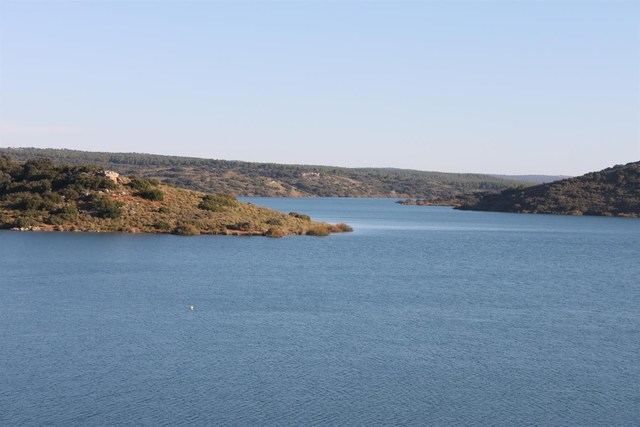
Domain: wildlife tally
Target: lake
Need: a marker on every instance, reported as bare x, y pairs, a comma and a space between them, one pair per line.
422, 315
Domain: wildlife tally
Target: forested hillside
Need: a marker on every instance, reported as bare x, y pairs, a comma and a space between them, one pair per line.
613, 191
268, 179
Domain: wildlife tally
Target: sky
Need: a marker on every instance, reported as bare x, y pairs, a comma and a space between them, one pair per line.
516, 87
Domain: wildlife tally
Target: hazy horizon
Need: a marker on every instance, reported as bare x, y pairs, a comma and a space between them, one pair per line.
525, 88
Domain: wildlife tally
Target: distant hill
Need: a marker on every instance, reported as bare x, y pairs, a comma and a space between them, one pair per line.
611, 192
533, 179
39, 196
268, 179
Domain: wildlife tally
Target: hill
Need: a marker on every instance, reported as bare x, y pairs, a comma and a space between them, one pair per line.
268, 179
533, 179
38, 195
613, 191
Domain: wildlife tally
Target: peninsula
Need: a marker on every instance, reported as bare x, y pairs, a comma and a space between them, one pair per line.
37, 195
614, 191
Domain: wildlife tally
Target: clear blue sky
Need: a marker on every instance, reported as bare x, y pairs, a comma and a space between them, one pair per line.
501, 87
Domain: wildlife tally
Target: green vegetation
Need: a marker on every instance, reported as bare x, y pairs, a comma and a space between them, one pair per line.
151, 194
104, 207
142, 184
611, 192
68, 212
267, 179
455, 201
147, 189
217, 202
38, 195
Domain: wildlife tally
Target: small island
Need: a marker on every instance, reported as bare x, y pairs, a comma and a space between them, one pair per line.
37, 195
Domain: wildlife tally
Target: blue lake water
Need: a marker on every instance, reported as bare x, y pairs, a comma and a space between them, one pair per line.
423, 315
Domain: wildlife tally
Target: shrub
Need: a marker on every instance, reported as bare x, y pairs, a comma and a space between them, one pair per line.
28, 202
341, 228
63, 214
217, 202
8, 165
24, 222
68, 212
162, 225
70, 194
319, 230
89, 180
240, 226
151, 194
300, 216
186, 229
275, 221
5, 221
104, 207
53, 197
142, 184
39, 186
275, 232
37, 169
55, 219
5, 182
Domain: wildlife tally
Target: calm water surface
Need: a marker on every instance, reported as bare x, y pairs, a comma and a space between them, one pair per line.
421, 316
